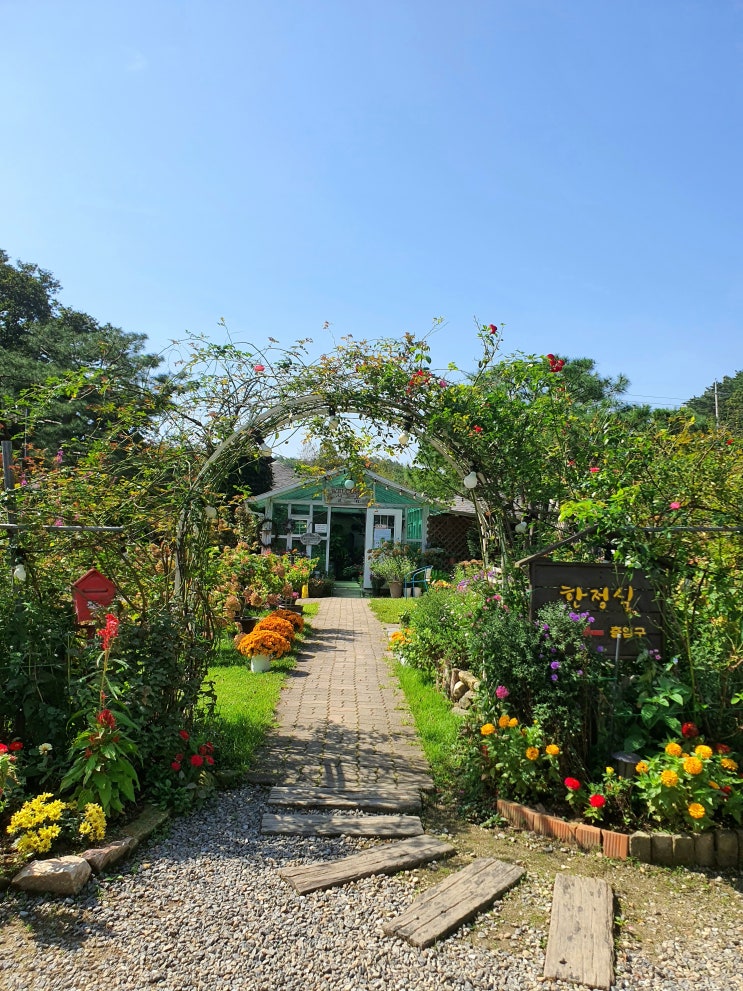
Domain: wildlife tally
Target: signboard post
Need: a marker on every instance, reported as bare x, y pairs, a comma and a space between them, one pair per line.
626, 615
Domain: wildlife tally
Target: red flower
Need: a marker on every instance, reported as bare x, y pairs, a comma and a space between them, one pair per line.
477, 430
722, 748
176, 765
597, 801
183, 734
16, 745
594, 470
550, 358
196, 760
492, 328
726, 789
206, 748
106, 718
259, 368
572, 784
689, 730
178, 757
109, 631
209, 760
3, 748
88, 752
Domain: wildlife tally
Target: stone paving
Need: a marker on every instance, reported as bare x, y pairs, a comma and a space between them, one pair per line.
343, 721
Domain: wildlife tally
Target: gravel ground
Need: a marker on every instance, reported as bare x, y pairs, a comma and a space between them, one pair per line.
204, 909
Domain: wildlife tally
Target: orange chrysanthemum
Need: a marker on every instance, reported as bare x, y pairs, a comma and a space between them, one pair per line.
693, 765
673, 750
669, 778
487, 729
697, 811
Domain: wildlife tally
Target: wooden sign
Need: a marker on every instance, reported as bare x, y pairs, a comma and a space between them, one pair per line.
622, 602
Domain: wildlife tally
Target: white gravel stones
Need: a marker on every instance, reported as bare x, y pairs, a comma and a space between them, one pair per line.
205, 910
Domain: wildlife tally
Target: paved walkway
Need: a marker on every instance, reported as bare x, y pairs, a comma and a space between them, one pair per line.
343, 721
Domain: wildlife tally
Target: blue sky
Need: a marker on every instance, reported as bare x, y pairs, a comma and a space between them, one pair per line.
571, 168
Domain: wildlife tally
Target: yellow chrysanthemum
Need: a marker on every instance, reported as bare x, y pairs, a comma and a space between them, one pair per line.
487, 729
703, 751
609, 772
552, 749
669, 778
532, 753
642, 767
693, 765
503, 721
513, 721
673, 750
729, 764
697, 811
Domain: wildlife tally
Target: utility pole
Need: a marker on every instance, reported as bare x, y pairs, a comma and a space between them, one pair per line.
717, 407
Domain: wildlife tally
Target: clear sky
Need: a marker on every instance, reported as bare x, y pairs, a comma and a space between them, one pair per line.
571, 168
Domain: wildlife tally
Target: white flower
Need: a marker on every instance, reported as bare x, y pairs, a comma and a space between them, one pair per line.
45, 748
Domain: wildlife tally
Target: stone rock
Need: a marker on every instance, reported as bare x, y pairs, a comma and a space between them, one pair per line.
466, 700
458, 691
58, 875
102, 857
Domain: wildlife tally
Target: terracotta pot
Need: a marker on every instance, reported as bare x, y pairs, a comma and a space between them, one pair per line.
395, 589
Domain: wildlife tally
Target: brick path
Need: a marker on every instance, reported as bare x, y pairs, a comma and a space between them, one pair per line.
343, 721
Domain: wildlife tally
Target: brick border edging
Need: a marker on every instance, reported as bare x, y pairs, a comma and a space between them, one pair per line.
719, 848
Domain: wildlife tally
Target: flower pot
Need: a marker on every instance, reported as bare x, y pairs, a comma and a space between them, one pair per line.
395, 589
260, 663
247, 623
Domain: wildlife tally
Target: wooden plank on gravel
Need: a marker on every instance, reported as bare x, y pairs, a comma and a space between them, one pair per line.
366, 799
387, 859
460, 897
329, 825
580, 947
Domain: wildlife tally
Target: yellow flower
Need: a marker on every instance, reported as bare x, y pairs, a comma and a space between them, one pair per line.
552, 749
93, 823
729, 764
673, 750
703, 751
642, 767
513, 721
532, 753
503, 721
487, 729
714, 784
669, 778
697, 811
609, 771
693, 765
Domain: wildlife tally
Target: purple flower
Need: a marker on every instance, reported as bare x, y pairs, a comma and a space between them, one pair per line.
579, 673
502, 692
553, 677
545, 627
555, 665
600, 649
574, 616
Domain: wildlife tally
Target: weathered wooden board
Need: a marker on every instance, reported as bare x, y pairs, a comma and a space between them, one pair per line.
318, 824
457, 899
387, 859
580, 947
367, 800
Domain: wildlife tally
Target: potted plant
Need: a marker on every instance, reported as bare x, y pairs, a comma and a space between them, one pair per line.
393, 563
263, 647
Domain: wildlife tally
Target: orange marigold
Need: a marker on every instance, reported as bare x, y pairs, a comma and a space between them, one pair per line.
729, 764
552, 749
532, 753
673, 750
697, 811
642, 767
503, 721
487, 729
693, 765
703, 751
669, 778
513, 721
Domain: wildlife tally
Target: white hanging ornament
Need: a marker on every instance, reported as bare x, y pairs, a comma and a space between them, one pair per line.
470, 481
19, 573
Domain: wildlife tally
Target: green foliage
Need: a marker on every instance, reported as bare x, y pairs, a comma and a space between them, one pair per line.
509, 758
392, 561
438, 633
102, 771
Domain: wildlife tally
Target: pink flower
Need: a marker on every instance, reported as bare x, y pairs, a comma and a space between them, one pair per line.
675, 505
502, 692
58, 522
259, 368
594, 470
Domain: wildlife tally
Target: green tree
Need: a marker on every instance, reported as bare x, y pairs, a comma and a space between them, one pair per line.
721, 404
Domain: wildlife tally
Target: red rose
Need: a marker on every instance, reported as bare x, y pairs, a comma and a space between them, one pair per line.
176, 765
183, 734
689, 730
597, 801
572, 784
16, 745
197, 760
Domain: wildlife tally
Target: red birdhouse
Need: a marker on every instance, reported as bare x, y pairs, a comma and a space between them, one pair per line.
91, 591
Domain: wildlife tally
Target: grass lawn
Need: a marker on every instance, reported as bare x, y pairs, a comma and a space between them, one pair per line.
391, 610
246, 702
